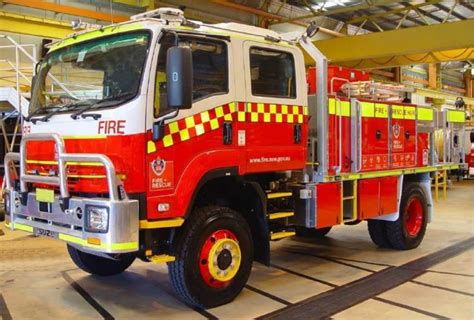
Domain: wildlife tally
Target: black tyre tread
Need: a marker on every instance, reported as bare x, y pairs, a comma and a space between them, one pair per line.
98, 265
395, 229
182, 248
378, 233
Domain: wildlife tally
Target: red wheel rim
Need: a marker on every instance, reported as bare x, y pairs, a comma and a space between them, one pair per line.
208, 255
414, 217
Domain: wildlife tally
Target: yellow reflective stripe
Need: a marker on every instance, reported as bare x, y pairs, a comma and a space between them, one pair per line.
113, 29
71, 163
169, 223
150, 147
22, 227
337, 108
332, 106
409, 112
456, 116
381, 110
367, 109
397, 112
107, 246
424, 114
87, 176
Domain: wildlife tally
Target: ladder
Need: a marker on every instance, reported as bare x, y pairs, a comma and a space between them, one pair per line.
275, 214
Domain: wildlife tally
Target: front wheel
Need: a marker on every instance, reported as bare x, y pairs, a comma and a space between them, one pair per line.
100, 266
214, 255
409, 229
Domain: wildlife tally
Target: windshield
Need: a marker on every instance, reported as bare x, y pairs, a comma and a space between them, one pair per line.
99, 73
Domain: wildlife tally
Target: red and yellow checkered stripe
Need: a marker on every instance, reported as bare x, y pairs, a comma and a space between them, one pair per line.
198, 124
268, 112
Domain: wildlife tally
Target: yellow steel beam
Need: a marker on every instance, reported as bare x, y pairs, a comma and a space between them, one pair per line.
59, 8
33, 26
437, 94
426, 44
135, 3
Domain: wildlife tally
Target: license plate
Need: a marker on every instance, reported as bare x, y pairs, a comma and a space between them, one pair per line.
46, 233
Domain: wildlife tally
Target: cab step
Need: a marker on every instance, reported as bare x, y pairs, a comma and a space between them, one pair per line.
276, 195
162, 258
280, 215
281, 235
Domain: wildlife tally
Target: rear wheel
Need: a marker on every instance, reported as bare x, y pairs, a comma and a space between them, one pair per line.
99, 265
409, 229
214, 255
378, 233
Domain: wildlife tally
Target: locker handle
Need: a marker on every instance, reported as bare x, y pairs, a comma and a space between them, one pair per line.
378, 134
407, 134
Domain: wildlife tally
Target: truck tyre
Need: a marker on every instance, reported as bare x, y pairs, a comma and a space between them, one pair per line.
378, 233
214, 255
98, 265
408, 230
312, 233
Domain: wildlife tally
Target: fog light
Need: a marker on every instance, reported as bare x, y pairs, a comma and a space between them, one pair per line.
97, 219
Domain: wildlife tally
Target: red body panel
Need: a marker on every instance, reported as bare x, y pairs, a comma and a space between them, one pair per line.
388, 195
125, 151
377, 196
335, 74
374, 144
403, 143
328, 204
369, 198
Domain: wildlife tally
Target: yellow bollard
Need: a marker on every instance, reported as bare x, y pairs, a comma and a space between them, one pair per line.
445, 183
436, 186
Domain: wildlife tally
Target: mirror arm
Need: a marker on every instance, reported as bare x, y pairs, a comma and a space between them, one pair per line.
159, 125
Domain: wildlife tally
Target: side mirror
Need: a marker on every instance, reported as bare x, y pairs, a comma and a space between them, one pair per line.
179, 77
33, 82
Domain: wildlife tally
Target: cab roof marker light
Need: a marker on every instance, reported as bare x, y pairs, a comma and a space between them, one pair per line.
162, 13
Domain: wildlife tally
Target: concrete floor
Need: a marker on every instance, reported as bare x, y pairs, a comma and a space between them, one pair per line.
38, 280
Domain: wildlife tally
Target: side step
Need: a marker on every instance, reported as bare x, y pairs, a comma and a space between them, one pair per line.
281, 235
276, 195
162, 258
279, 215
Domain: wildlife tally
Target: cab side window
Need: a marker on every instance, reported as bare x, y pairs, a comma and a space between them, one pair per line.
210, 69
272, 73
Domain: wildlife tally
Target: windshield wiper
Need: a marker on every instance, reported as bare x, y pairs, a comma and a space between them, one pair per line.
103, 103
61, 109
34, 113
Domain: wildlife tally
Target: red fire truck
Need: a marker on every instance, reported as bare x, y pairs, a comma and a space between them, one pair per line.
175, 141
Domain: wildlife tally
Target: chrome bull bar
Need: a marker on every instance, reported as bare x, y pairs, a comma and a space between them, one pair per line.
63, 159
24, 211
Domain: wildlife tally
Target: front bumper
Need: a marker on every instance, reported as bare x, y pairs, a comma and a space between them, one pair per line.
63, 216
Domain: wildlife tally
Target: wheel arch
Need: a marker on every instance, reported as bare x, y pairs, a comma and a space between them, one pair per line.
224, 187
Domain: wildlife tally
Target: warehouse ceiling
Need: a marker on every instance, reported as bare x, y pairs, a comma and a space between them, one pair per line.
376, 15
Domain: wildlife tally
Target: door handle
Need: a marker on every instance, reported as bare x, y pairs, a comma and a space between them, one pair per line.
227, 132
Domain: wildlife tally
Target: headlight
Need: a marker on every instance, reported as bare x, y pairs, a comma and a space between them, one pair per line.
97, 219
